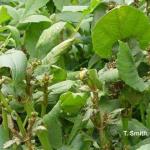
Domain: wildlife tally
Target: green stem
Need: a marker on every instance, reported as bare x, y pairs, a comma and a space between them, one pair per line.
98, 121
20, 125
147, 7
125, 129
5, 121
45, 95
28, 106
18, 119
77, 27
126, 115
142, 111
43, 137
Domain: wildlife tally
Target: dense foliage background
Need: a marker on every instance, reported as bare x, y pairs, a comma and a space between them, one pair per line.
74, 74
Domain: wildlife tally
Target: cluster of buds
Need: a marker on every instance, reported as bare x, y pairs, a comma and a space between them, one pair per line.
83, 74
46, 78
35, 63
4, 79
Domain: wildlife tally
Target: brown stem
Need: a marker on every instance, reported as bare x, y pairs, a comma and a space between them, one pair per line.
45, 95
97, 118
28, 82
31, 123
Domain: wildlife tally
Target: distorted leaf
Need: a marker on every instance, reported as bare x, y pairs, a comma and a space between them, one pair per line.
127, 69
15, 60
119, 24
50, 38
61, 87
72, 102
58, 74
53, 56
74, 8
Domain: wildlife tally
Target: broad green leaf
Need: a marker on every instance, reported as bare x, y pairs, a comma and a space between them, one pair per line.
53, 56
136, 125
33, 5
108, 106
15, 105
119, 24
144, 147
141, 143
42, 134
15, 34
76, 127
64, 147
4, 16
35, 19
15, 60
61, 87
13, 12
4, 136
81, 142
131, 96
32, 35
69, 16
127, 69
53, 125
99, 12
71, 103
74, 8
50, 38
58, 74
128, 2
60, 3
92, 6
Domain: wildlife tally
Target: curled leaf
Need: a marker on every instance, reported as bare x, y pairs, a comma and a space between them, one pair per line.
127, 68
119, 24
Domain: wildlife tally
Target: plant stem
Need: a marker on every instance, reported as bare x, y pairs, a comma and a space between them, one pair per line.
126, 115
98, 121
142, 112
5, 121
45, 95
125, 128
136, 3
18, 119
28, 105
147, 7
43, 137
